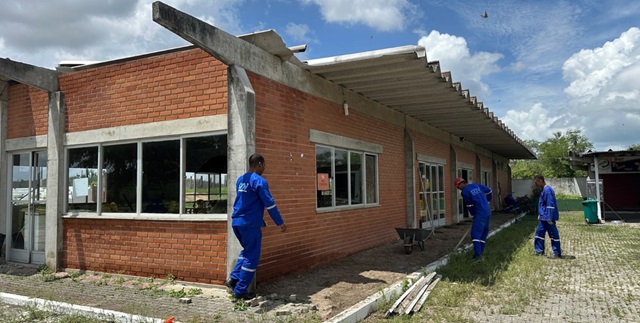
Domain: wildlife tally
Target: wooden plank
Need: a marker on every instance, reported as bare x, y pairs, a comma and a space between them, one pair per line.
402, 297
424, 296
406, 304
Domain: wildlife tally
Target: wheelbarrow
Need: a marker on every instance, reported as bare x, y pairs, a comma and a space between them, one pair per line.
413, 237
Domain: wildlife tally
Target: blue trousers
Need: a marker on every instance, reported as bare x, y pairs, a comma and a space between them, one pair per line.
541, 232
479, 233
245, 269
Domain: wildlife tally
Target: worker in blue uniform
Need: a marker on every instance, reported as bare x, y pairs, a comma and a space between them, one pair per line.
477, 197
252, 197
512, 205
547, 215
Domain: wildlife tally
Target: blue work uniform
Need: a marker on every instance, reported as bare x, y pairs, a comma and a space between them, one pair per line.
252, 198
548, 215
477, 197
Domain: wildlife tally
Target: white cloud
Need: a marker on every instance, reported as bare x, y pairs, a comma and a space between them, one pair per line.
47, 32
591, 70
604, 90
300, 32
535, 124
466, 68
382, 15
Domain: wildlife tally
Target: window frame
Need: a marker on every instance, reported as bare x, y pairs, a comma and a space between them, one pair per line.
364, 176
139, 214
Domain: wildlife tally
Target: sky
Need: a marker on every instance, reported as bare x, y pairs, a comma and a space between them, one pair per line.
542, 67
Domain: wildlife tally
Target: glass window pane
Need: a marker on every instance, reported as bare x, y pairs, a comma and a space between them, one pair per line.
82, 181
206, 175
119, 171
19, 199
372, 179
161, 176
324, 177
356, 178
342, 178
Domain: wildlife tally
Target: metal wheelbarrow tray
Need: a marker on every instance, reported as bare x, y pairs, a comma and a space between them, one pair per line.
413, 237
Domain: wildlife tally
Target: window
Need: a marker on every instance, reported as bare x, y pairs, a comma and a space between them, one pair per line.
345, 177
170, 176
486, 178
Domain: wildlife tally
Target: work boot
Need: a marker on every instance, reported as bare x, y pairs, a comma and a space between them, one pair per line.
244, 296
555, 257
231, 283
477, 258
538, 253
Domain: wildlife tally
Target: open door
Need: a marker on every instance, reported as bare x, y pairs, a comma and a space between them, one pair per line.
28, 207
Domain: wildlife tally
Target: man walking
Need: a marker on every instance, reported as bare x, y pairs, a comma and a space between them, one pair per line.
252, 198
547, 215
477, 197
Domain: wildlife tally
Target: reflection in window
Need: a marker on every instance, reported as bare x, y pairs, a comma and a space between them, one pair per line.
324, 160
163, 188
82, 178
206, 175
120, 168
161, 176
349, 176
342, 180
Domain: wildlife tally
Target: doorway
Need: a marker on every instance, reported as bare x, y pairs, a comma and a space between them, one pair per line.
467, 174
28, 207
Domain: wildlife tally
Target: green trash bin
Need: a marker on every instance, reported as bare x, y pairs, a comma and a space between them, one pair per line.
590, 211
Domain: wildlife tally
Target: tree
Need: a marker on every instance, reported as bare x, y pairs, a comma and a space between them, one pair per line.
634, 147
553, 156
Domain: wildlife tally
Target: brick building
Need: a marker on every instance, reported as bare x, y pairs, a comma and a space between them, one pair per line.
128, 166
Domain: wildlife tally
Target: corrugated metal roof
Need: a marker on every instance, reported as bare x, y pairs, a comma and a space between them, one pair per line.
402, 79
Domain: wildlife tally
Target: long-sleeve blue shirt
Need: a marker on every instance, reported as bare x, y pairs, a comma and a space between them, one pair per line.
252, 197
547, 206
477, 197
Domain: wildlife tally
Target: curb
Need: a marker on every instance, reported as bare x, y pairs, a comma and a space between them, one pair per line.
65, 308
362, 309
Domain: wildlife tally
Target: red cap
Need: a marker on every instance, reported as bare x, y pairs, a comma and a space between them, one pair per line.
458, 181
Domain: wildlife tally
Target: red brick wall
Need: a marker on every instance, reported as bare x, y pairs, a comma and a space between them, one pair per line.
179, 85
486, 164
27, 112
283, 119
190, 251
469, 158
505, 184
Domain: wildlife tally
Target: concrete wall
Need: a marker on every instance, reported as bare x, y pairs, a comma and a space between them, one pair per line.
569, 186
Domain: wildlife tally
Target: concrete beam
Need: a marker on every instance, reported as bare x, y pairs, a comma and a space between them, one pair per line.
38, 77
232, 50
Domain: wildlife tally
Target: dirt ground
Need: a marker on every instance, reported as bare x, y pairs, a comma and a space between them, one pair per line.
337, 286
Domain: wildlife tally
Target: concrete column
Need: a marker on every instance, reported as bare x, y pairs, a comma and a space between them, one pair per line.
241, 144
410, 182
453, 174
55, 181
4, 207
